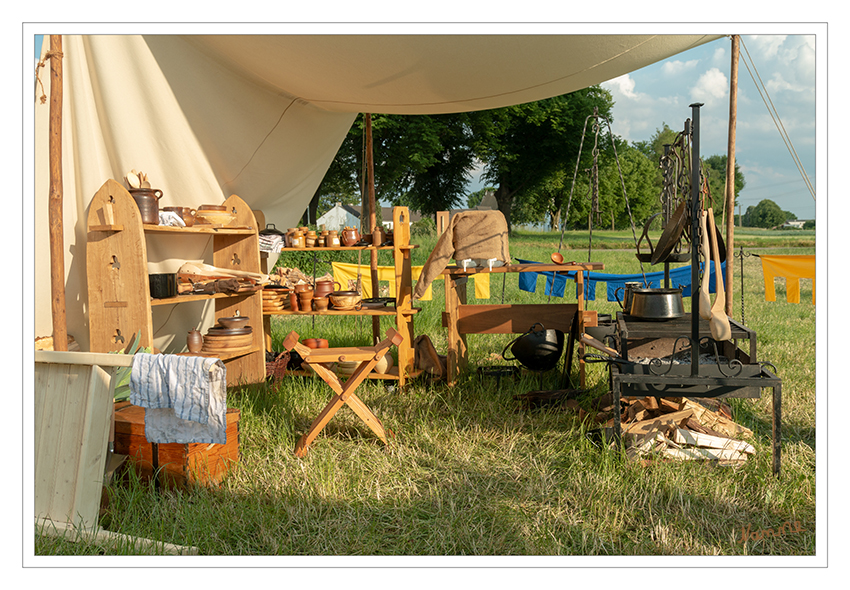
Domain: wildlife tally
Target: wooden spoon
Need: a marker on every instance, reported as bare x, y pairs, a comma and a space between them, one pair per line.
133, 179
719, 322
704, 298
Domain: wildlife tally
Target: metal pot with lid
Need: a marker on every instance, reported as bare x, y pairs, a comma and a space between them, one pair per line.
657, 304
538, 349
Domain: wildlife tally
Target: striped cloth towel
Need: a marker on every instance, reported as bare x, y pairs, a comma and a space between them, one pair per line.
185, 397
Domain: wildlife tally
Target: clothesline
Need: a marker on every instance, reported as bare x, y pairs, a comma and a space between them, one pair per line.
556, 281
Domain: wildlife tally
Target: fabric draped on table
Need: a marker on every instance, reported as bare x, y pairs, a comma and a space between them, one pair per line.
792, 268
344, 272
556, 281
475, 235
185, 397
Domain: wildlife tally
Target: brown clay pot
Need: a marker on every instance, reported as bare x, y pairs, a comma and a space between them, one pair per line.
325, 288
195, 341
349, 237
147, 200
320, 303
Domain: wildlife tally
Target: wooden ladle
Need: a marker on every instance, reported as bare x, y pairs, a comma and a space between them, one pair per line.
719, 322
704, 298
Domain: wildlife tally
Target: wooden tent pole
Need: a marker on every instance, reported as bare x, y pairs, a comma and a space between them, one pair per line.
57, 236
373, 254
730, 175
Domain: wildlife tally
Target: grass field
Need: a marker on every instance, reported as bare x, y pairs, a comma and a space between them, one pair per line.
471, 473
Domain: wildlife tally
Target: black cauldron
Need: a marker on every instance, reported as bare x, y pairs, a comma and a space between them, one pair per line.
538, 349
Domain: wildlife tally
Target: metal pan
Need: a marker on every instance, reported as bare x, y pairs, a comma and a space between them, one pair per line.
671, 234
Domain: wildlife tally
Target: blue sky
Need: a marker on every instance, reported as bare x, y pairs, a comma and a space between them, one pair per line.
660, 93
650, 97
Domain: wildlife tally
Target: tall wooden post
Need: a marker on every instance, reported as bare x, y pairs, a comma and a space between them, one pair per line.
373, 254
730, 175
57, 236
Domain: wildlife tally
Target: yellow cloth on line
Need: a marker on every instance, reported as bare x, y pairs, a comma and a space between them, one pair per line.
793, 268
344, 272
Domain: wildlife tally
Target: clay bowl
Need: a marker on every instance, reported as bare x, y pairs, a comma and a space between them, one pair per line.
234, 322
316, 343
320, 303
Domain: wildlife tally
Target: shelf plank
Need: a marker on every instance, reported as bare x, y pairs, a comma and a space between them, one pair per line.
224, 356
388, 311
200, 229
199, 297
335, 248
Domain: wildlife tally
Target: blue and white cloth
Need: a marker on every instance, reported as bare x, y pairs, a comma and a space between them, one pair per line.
185, 397
556, 281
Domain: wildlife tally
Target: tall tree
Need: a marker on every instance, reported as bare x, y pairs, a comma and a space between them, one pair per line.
715, 168
522, 145
421, 161
766, 214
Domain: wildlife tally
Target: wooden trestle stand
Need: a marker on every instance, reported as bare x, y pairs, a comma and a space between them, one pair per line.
319, 360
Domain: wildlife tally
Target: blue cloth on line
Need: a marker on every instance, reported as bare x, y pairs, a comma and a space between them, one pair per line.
556, 281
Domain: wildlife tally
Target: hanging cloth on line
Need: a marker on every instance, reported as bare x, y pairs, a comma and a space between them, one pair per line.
793, 268
556, 282
344, 272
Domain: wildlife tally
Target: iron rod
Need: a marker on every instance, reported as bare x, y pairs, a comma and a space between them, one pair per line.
695, 237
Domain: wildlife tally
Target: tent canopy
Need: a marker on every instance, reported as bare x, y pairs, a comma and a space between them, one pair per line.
262, 116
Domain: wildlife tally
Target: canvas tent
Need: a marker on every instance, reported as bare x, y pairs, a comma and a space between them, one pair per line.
262, 116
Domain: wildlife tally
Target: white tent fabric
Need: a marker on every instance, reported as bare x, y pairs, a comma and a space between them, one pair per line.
262, 116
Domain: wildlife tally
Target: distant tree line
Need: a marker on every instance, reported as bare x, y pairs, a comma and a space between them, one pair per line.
529, 154
769, 215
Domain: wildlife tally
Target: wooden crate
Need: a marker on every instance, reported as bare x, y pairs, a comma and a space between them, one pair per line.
180, 464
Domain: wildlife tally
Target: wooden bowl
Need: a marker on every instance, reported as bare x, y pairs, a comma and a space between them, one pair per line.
234, 322
209, 217
345, 299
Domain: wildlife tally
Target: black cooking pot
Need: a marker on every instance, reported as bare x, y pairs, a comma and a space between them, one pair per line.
271, 230
538, 349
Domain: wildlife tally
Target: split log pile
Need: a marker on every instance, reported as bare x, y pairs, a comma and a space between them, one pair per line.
289, 277
676, 428
657, 428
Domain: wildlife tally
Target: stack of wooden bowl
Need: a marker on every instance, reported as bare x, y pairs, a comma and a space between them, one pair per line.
275, 299
228, 336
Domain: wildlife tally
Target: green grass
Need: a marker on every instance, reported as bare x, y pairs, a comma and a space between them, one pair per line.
471, 473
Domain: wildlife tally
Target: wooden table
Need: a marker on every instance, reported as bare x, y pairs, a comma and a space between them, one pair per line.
462, 319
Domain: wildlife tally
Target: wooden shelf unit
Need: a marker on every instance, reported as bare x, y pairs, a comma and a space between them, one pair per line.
117, 272
403, 311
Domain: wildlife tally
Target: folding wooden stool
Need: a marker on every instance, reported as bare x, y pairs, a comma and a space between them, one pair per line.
319, 360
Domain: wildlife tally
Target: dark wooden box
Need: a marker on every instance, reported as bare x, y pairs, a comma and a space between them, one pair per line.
179, 464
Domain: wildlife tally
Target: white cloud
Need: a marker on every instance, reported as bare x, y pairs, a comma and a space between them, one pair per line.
623, 86
675, 67
711, 86
765, 46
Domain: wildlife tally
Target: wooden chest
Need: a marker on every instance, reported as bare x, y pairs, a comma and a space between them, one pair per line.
179, 464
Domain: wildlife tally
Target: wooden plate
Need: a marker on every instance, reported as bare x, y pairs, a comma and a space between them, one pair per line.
216, 331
